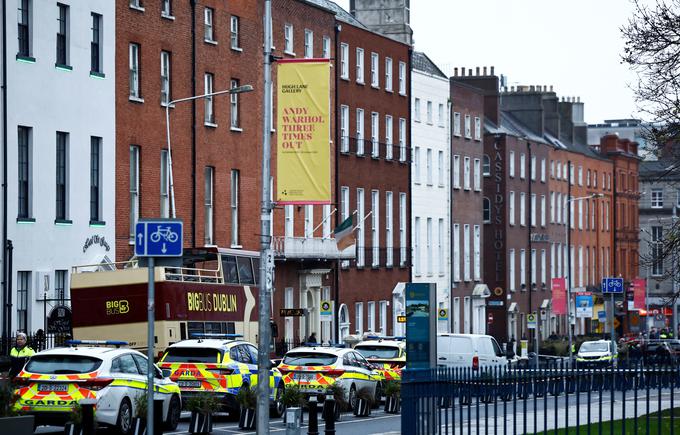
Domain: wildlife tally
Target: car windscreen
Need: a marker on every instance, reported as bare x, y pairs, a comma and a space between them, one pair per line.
378, 352
62, 364
309, 359
191, 355
594, 347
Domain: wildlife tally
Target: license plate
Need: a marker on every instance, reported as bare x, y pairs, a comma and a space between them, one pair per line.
52, 387
304, 377
189, 384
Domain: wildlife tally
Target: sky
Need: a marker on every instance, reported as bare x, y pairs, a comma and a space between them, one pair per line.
574, 45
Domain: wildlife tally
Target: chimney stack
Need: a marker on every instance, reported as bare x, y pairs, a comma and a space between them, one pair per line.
455, 72
484, 71
462, 71
492, 68
477, 72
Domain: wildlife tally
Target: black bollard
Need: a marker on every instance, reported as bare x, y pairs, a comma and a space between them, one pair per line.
313, 427
330, 416
158, 416
89, 425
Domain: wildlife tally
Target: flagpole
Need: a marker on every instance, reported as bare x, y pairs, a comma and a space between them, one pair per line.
322, 222
362, 220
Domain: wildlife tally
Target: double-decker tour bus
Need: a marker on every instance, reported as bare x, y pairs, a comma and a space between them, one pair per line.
207, 290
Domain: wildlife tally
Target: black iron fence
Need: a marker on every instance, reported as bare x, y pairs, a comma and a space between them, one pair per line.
614, 400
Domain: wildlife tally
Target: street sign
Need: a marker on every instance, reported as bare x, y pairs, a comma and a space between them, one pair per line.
612, 285
292, 312
531, 320
158, 238
326, 312
401, 319
442, 314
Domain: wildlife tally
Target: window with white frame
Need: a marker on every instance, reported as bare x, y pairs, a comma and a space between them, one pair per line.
309, 221
580, 175
522, 269
388, 137
486, 210
23, 289
580, 266
511, 208
402, 78
375, 73
466, 173
389, 242
456, 124
553, 261
166, 8
165, 182
468, 127
466, 252
416, 109
208, 205
511, 164
429, 112
375, 135
456, 252
402, 139
477, 175
208, 101
580, 215
456, 172
558, 170
533, 268
134, 189
360, 65
360, 229
522, 212
657, 250
477, 253
234, 106
370, 313
558, 208
24, 16
428, 164
359, 317
326, 219
478, 128
402, 229
326, 47
429, 241
542, 170
234, 205
416, 165
486, 166
135, 71
543, 267
388, 74
571, 212
344, 129
512, 276
383, 317
208, 16
533, 167
522, 166
62, 38
440, 168
440, 115
288, 302
165, 77
552, 207
533, 209
288, 39
543, 206
440, 247
416, 247
657, 198
375, 228
309, 44
571, 175
235, 32
344, 61
360, 132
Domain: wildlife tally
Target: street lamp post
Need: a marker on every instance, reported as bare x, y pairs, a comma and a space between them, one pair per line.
567, 271
236, 90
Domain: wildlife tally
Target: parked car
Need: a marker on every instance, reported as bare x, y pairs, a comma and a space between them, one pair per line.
474, 351
597, 353
388, 354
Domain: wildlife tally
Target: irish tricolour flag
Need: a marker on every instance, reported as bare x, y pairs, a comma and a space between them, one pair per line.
344, 234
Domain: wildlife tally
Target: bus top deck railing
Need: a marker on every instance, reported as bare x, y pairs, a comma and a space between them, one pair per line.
167, 273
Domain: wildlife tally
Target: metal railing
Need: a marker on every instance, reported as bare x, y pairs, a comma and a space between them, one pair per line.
630, 398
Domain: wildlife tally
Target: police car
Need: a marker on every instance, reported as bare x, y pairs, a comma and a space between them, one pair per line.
219, 364
597, 353
388, 354
315, 368
55, 380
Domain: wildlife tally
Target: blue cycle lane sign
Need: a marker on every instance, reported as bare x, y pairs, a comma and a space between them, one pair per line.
612, 285
158, 238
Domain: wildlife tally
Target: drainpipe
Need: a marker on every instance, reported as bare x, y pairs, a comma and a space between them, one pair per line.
338, 216
527, 277
6, 290
568, 271
193, 124
409, 69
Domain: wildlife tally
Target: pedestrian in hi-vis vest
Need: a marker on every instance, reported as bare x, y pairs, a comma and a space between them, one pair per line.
19, 355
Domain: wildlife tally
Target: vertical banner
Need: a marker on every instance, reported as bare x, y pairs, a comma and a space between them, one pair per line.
639, 290
559, 296
303, 160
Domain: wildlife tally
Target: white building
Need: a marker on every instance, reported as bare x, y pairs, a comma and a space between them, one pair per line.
58, 119
430, 194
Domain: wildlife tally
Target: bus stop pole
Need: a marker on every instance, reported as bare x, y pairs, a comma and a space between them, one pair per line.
150, 340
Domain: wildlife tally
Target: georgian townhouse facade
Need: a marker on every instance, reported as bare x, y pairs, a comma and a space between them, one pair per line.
430, 202
59, 207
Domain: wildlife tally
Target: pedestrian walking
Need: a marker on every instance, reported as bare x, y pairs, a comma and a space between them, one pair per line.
19, 355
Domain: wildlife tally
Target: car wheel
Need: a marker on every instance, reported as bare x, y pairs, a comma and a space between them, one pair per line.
124, 422
352, 399
174, 412
277, 408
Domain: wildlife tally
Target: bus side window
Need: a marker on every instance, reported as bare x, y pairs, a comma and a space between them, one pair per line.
245, 271
256, 270
229, 269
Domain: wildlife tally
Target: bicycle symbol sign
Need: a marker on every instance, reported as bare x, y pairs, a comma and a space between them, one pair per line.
158, 238
612, 285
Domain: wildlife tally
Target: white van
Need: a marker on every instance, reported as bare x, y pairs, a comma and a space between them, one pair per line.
469, 351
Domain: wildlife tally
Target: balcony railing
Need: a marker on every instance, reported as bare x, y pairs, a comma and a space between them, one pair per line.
375, 257
372, 149
310, 248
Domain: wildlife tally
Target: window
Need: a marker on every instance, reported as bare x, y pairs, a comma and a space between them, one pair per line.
62, 176
359, 317
416, 247
389, 244
478, 128
95, 178
375, 227
388, 74
429, 112
543, 206
135, 73
588, 178
344, 129
326, 47
360, 228
429, 246
477, 253
594, 178
657, 198
486, 210
416, 165
416, 110
165, 78
428, 164
309, 221
533, 209
374, 70
60, 280
134, 189
440, 247
511, 208
477, 175
288, 39
456, 124
466, 173
235, 198
558, 209
208, 205
511, 164
440, 115
552, 169
456, 252
136, 4
559, 170
234, 106
402, 139
62, 34
542, 170
402, 78
468, 128
388, 137
235, 34
344, 61
522, 166
533, 268
466, 252
522, 213
522, 269
580, 175
657, 250
370, 312
208, 35
165, 182
24, 31
580, 215
383, 318
96, 44
25, 172
543, 267
309, 44
553, 261
360, 132
512, 276
208, 101
552, 207
375, 135
23, 286
440, 168
533, 168
486, 166
360, 65
571, 174
326, 219
402, 229
166, 8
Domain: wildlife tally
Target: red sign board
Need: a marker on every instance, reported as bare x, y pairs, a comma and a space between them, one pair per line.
559, 296
639, 289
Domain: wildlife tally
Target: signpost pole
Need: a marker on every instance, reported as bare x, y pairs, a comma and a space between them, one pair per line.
536, 345
613, 318
149, 349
